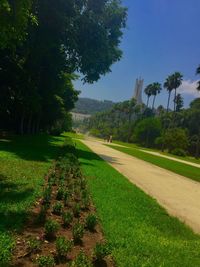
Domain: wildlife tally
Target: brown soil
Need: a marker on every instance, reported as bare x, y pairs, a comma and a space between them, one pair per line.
23, 257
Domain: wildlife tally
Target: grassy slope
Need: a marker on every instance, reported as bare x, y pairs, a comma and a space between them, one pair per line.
23, 163
140, 231
174, 166
189, 159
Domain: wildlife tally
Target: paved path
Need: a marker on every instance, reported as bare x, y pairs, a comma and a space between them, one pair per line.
172, 158
179, 195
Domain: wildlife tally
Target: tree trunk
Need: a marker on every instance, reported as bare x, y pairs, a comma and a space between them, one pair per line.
168, 101
148, 101
175, 101
154, 98
22, 124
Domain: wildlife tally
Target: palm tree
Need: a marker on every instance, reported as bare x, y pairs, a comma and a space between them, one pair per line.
179, 102
148, 92
172, 83
155, 89
177, 81
198, 72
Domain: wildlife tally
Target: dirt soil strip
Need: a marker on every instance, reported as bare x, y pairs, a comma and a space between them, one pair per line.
179, 195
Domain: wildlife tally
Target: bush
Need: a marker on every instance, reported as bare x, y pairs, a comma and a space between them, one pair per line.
47, 195
51, 227
41, 218
34, 244
175, 139
81, 261
7, 244
101, 251
57, 208
46, 261
63, 246
66, 197
77, 210
91, 222
67, 218
77, 232
178, 152
60, 194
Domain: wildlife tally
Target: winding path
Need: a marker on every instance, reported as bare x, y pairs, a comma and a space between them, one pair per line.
179, 195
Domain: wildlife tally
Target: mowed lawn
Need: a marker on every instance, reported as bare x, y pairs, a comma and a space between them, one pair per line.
140, 231
171, 165
24, 161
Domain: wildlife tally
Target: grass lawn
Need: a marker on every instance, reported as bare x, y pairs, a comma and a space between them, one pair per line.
23, 163
130, 145
140, 231
171, 165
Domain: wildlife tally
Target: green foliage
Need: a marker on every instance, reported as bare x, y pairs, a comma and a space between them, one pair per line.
175, 138
51, 227
46, 261
77, 210
91, 222
60, 193
57, 208
101, 250
81, 261
34, 244
7, 245
178, 152
77, 232
146, 131
67, 218
63, 246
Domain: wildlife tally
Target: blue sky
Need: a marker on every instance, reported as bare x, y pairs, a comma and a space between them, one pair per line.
162, 36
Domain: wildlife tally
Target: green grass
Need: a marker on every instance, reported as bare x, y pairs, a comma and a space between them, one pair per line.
171, 165
23, 163
140, 231
131, 145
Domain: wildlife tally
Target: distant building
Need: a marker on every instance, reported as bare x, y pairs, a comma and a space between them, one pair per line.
138, 90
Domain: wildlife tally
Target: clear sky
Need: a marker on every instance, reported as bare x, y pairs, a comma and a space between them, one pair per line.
162, 36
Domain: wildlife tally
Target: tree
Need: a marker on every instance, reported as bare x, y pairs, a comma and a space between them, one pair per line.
175, 138
172, 83
148, 92
198, 72
179, 102
155, 89
146, 131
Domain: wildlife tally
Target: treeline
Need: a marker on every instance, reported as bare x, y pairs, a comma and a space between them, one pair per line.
177, 131
42, 44
91, 106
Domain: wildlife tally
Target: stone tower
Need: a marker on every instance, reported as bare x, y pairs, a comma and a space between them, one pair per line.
138, 90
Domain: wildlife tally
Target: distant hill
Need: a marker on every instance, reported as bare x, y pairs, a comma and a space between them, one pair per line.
91, 106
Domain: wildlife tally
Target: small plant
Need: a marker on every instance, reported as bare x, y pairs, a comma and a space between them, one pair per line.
34, 244
101, 250
77, 210
77, 232
41, 217
7, 244
66, 197
67, 218
63, 246
60, 193
47, 195
81, 261
85, 202
57, 208
91, 222
51, 227
46, 261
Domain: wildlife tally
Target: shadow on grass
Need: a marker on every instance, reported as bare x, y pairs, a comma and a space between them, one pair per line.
37, 148
11, 215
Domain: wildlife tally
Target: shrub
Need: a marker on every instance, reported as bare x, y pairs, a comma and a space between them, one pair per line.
81, 261
47, 195
66, 197
179, 152
101, 250
51, 227
57, 208
63, 246
175, 138
34, 244
7, 244
77, 210
67, 218
60, 194
77, 232
91, 222
41, 218
46, 261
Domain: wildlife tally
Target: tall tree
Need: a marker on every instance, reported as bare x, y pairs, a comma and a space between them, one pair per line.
155, 90
148, 92
179, 102
198, 72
